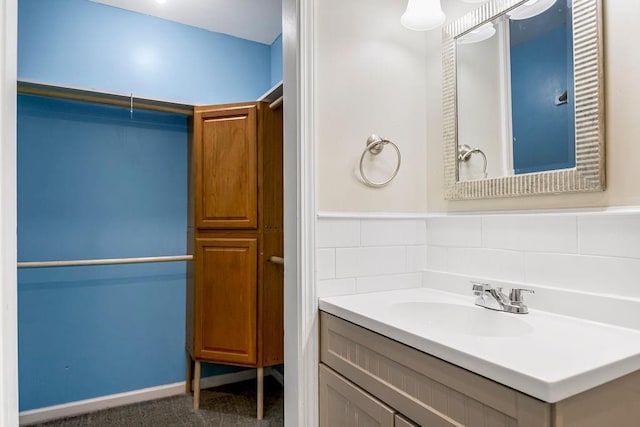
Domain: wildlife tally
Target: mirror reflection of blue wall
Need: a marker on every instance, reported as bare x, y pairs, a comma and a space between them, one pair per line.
542, 71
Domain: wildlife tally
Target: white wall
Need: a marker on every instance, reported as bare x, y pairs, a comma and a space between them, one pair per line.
369, 78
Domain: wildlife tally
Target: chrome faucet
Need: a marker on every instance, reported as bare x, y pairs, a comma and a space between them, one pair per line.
494, 299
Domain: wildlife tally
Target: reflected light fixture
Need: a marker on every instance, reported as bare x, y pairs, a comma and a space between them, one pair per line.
423, 15
530, 9
482, 33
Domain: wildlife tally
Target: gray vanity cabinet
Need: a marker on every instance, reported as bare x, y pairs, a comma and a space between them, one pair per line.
362, 371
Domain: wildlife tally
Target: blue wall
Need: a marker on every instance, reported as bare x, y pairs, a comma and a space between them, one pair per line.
543, 132
276, 60
91, 45
93, 183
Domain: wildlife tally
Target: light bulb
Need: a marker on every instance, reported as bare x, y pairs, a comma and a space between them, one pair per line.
423, 15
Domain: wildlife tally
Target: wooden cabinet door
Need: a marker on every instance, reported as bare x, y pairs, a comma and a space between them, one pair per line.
226, 299
342, 404
226, 167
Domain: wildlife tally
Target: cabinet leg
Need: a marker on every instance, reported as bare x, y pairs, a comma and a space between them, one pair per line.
188, 382
196, 387
260, 403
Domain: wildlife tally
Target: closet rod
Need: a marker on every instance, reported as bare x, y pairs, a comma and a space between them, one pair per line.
33, 88
72, 263
277, 103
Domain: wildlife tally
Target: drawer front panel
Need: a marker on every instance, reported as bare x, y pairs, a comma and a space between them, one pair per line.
343, 404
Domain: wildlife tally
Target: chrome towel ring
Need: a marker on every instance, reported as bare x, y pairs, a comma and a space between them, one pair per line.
375, 145
465, 152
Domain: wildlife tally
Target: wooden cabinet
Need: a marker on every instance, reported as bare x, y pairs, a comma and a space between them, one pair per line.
234, 292
431, 392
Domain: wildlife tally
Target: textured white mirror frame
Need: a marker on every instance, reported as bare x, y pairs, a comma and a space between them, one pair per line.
588, 175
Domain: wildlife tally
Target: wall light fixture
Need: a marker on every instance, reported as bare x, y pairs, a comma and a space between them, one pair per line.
423, 15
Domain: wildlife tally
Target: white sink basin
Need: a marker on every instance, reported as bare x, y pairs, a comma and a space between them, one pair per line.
459, 319
547, 356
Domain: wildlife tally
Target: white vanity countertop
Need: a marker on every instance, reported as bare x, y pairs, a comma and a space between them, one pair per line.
548, 356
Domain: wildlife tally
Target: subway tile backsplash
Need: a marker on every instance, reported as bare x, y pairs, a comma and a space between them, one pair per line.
334, 233
587, 252
585, 256
610, 235
540, 233
367, 255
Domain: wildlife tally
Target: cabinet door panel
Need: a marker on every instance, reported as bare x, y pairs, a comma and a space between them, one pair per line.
343, 404
226, 168
226, 299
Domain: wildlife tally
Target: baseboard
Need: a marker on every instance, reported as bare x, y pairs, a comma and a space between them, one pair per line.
90, 405
277, 375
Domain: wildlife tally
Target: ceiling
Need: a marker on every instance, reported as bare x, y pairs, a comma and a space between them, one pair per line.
257, 20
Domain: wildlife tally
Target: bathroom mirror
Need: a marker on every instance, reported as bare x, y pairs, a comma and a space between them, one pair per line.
523, 99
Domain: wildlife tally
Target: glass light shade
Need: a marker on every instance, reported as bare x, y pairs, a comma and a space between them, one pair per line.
423, 15
482, 33
530, 9
474, 1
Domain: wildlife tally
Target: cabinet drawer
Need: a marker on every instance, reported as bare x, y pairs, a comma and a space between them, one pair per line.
343, 404
426, 389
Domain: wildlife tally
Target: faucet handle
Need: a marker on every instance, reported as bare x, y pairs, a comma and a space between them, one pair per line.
516, 294
478, 288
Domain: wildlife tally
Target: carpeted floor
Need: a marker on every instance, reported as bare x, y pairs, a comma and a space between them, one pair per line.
230, 405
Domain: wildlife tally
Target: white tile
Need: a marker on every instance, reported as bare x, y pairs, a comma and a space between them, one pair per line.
611, 235
388, 283
488, 263
416, 258
338, 233
454, 231
618, 276
326, 263
389, 232
541, 233
353, 262
437, 258
330, 288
